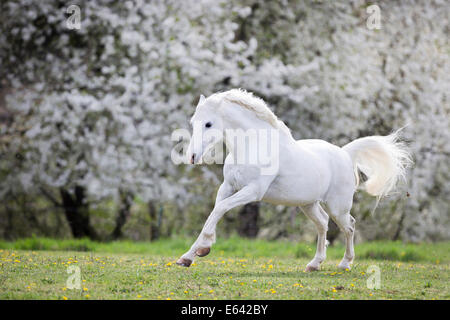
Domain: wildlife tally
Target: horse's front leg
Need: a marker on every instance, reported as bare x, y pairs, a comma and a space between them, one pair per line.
202, 245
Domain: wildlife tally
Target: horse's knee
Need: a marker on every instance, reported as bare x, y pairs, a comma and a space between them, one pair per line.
324, 222
350, 230
322, 228
351, 227
352, 222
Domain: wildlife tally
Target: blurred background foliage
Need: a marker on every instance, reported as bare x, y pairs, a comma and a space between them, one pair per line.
86, 115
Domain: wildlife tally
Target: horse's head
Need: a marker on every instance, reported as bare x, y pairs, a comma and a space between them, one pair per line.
207, 128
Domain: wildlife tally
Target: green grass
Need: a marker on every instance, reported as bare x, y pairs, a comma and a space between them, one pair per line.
36, 268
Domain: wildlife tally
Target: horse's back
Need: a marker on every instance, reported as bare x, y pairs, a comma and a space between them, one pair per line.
310, 172
338, 159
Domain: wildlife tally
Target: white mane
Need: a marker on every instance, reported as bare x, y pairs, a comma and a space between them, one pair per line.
255, 104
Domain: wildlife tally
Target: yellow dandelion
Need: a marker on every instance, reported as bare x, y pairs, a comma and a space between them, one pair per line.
211, 291
87, 296
139, 296
85, 289
64, 298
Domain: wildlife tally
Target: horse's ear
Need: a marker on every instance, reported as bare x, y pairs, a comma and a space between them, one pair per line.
202, 98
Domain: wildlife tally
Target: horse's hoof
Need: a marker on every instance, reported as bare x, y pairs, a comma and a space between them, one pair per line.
345, 267
202, 252
311, 269
184, 262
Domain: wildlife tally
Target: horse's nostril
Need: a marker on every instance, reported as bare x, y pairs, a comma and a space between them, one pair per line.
192, 158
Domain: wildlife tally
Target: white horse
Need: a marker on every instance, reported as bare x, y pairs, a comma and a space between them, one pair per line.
315, 175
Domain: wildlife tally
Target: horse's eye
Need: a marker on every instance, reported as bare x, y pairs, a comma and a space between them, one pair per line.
208, 124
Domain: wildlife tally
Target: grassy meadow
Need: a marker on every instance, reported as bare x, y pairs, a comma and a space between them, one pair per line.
37, 268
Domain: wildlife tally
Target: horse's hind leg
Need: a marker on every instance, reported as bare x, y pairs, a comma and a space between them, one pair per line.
320, 219
346, 223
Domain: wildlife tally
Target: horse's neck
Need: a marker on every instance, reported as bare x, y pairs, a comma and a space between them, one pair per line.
241, 132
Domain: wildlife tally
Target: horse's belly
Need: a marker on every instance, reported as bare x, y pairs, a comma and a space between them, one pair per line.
293, 192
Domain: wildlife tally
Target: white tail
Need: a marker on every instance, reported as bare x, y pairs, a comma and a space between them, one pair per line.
383, 159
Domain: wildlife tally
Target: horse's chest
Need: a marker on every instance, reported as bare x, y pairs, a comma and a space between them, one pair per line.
240, 176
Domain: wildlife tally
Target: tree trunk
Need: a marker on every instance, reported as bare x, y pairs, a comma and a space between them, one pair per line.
126, 201
333, 231
248, 220
8, 232
155, 221
76, 211
399, 227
